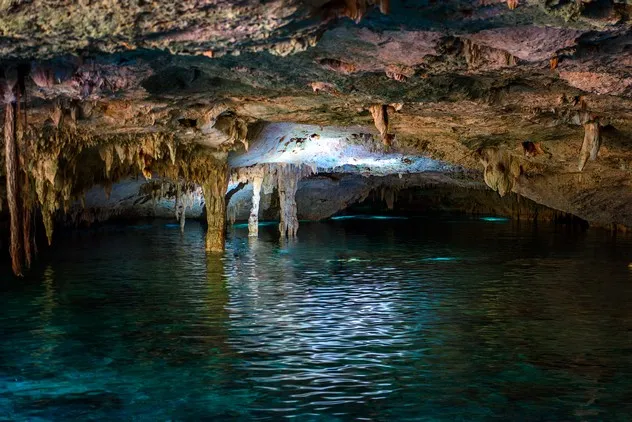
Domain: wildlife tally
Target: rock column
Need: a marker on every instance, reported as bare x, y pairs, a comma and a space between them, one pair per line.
214, 197
253, 219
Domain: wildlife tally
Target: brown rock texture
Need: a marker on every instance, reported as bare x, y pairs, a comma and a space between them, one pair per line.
113, 91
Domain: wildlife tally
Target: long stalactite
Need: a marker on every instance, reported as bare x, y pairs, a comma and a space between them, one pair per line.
12, 173
26, 189
288, 176
27, 222
287, 181
285, 176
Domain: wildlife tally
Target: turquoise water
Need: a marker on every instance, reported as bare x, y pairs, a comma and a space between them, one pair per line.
360, 319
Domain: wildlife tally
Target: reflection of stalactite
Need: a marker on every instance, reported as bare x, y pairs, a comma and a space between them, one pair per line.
388, 196
183, 213
591, 144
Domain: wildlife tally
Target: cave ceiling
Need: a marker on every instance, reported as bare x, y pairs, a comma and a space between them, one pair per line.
507, 88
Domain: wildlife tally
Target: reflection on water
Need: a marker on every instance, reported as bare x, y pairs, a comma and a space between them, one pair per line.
358, 319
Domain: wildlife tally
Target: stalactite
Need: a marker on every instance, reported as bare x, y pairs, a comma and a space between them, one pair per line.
287, 181
477, 56
591, 144
501, 169
172, 152
253, 219
27, 218
24, 161
47, 218
59, 176
287, 177
11, 163
214, 188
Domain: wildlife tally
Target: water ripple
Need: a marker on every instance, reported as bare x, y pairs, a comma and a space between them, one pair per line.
358, 319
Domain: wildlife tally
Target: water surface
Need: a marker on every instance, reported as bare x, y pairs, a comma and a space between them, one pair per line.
365, 319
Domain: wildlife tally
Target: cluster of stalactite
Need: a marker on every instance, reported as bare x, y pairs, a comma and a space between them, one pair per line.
477, 56
355, 9
501, 169
282, 176
16, 159
55, 166
183, 193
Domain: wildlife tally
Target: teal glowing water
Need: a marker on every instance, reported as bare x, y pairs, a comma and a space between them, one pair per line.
381, 320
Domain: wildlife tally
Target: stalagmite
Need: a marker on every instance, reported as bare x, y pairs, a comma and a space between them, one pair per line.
11, 163
591, 144
214, 191
253, 219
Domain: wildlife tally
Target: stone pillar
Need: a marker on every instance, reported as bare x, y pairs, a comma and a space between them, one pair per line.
253, 219
214, 198
288, 176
